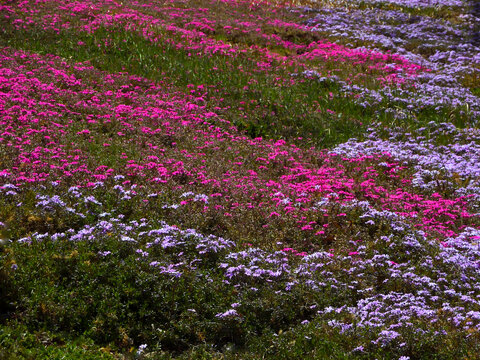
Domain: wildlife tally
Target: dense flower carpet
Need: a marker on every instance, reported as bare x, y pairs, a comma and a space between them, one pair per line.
239, 179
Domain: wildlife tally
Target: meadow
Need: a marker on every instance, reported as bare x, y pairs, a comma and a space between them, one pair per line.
239, 179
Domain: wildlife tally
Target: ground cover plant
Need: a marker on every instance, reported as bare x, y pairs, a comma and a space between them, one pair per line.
239, 179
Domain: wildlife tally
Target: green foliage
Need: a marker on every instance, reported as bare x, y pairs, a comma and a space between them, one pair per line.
70, 288
17, 342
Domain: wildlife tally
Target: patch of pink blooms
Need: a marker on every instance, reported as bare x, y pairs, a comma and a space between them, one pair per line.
193, 30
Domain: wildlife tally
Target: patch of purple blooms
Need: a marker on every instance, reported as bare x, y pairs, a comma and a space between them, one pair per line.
443, 47
454, 165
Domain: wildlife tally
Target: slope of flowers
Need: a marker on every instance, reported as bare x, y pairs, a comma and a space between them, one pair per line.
442, 45
50, 146
212, 30
139, 220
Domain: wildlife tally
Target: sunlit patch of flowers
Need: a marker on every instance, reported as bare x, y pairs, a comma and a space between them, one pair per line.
226, 236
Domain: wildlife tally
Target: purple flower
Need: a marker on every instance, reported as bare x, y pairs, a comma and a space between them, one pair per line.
232, 313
